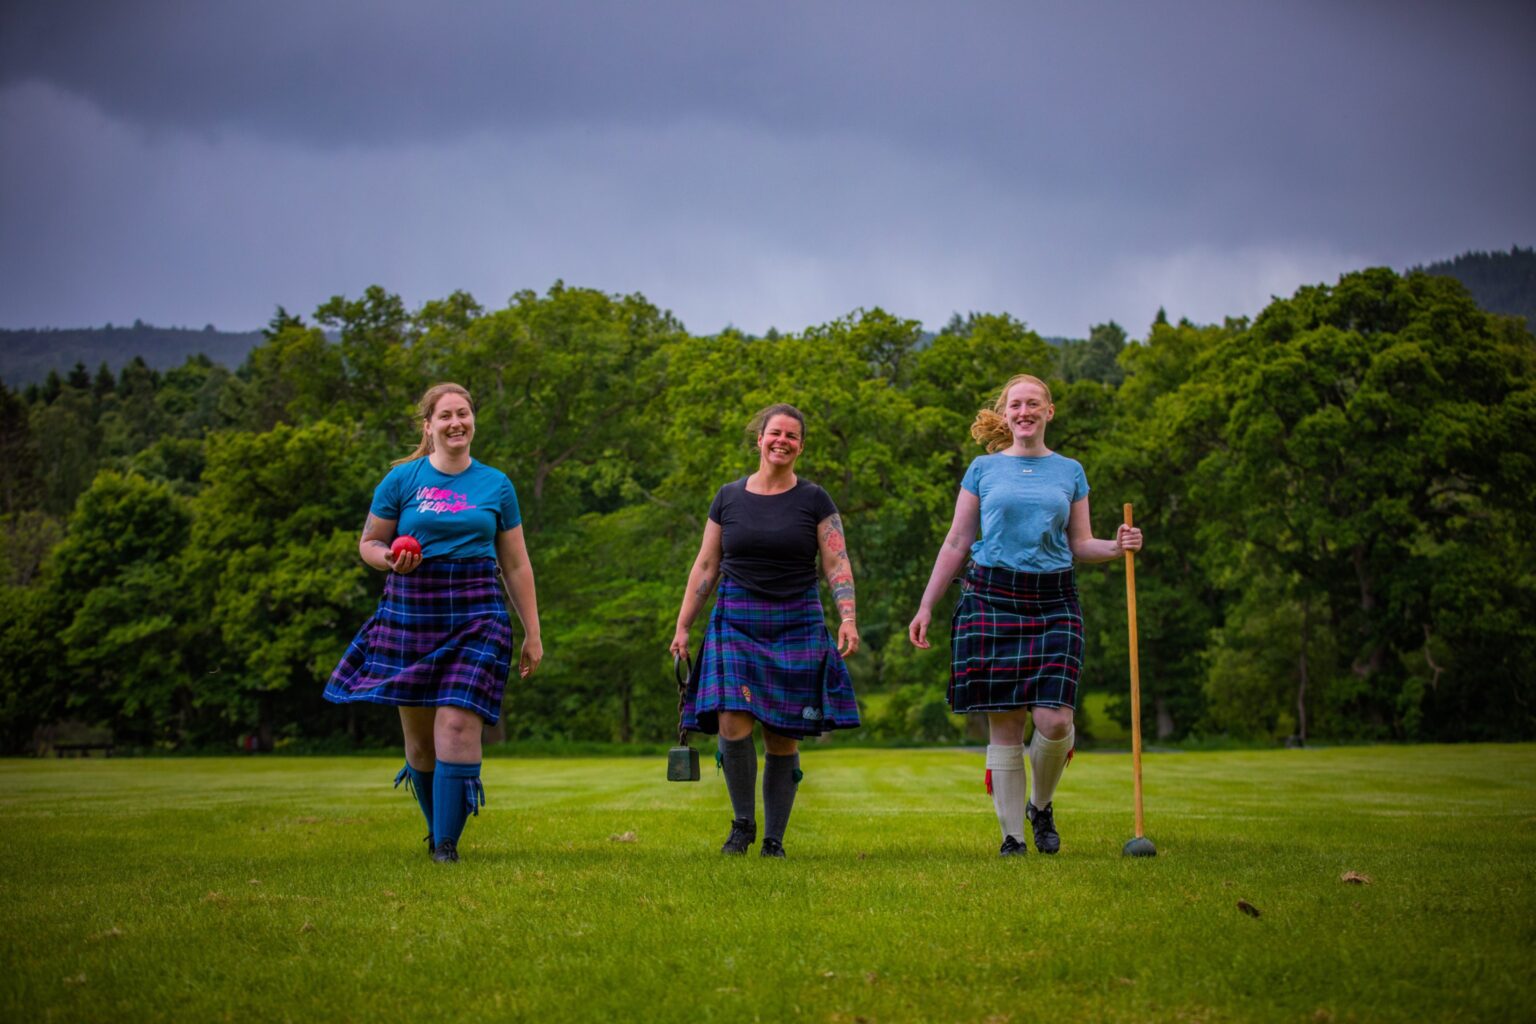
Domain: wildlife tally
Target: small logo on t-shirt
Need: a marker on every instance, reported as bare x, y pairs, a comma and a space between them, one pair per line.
1027, 470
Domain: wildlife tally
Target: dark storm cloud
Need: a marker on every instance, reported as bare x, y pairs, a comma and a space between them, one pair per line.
1006, 154
1105, 89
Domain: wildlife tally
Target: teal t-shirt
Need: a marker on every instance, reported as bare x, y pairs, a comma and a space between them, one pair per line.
1026, 501
451, 515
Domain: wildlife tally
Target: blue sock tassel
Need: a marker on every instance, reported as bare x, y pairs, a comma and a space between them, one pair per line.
418, 783
456, 794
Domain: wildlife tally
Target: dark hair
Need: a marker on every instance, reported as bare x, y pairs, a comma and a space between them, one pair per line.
759, 423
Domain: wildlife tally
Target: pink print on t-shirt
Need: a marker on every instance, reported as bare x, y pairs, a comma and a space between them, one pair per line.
440, 500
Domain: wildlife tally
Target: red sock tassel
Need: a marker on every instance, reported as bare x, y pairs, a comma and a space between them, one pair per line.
989, 782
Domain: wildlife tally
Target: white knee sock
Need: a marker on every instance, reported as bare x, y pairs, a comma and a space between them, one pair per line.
1047, 760
1005, 766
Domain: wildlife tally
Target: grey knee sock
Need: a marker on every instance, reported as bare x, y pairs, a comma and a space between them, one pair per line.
778, 792
738, 759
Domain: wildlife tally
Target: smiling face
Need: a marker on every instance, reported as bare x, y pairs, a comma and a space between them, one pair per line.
451, 426
1027, 408
781, 441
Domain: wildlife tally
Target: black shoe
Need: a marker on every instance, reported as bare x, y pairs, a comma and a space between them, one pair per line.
446, 852
771, 848
1012, 848
1042, 818
743, 834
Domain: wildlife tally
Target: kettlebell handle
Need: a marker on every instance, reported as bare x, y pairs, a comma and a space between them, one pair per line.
682, 671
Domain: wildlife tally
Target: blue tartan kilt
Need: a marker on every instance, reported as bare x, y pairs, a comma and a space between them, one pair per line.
441, 637
1016, 640
773, 659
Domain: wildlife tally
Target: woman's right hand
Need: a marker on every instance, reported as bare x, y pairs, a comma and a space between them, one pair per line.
679, 646
917, 631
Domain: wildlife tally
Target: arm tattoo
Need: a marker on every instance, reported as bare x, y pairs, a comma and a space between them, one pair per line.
840, 573
842, 591
703, 589
832, 535
369, 525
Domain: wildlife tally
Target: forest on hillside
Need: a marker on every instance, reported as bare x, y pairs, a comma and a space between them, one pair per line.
1500, 282
32, 355
1337, 497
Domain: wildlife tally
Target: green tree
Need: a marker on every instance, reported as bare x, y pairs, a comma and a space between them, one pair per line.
19, 483
273, 560
1097, 358
116, 588
74, 444
1162, 423
295, 376
1372, 431
560, 382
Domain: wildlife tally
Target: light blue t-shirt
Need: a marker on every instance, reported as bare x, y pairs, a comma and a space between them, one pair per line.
1026, 501
451, 515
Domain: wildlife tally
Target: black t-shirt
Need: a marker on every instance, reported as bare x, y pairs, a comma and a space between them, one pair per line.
768, 541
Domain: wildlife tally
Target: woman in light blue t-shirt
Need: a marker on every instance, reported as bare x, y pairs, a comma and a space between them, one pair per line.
1016, 647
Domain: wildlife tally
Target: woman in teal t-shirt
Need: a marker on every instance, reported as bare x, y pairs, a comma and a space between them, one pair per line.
439, 647
1017, 639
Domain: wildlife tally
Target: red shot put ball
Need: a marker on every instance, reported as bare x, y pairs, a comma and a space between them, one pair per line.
405, 543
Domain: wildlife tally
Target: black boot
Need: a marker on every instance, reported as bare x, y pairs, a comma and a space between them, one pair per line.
1042, 818
743, 834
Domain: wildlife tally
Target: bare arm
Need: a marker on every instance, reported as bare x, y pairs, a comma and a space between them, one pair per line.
839, 573
952, 555
373, 546
1087, 548
517, 570
701, 582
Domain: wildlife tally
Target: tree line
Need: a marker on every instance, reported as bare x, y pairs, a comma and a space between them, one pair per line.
1337, 496
43, 355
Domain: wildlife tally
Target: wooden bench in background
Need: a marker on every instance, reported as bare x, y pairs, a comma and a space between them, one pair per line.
81, 749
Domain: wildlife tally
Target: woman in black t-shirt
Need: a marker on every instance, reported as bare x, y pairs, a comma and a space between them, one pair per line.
767, 655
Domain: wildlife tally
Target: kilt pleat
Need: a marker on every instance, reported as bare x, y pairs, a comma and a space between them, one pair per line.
441, 636
774, 659
1016, 640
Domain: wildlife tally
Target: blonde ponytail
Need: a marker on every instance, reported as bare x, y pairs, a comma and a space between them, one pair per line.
991, 431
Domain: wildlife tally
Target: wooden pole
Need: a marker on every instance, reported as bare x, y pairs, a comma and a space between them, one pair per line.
1130, 607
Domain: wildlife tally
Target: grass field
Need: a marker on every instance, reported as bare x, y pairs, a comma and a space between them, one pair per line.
298, 889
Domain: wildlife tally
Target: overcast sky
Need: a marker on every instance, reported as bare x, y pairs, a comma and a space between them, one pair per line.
758, 164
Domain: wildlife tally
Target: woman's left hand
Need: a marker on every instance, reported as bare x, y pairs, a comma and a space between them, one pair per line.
1128, 538
533, 653
847, 638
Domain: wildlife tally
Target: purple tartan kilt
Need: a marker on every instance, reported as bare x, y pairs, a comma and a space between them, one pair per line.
773, 659
1016, 641
441, 636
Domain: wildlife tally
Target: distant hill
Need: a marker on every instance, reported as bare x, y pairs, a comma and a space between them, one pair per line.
27, 355
1501, 282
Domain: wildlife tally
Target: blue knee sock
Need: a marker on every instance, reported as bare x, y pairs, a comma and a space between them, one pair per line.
419, 783
456, 794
